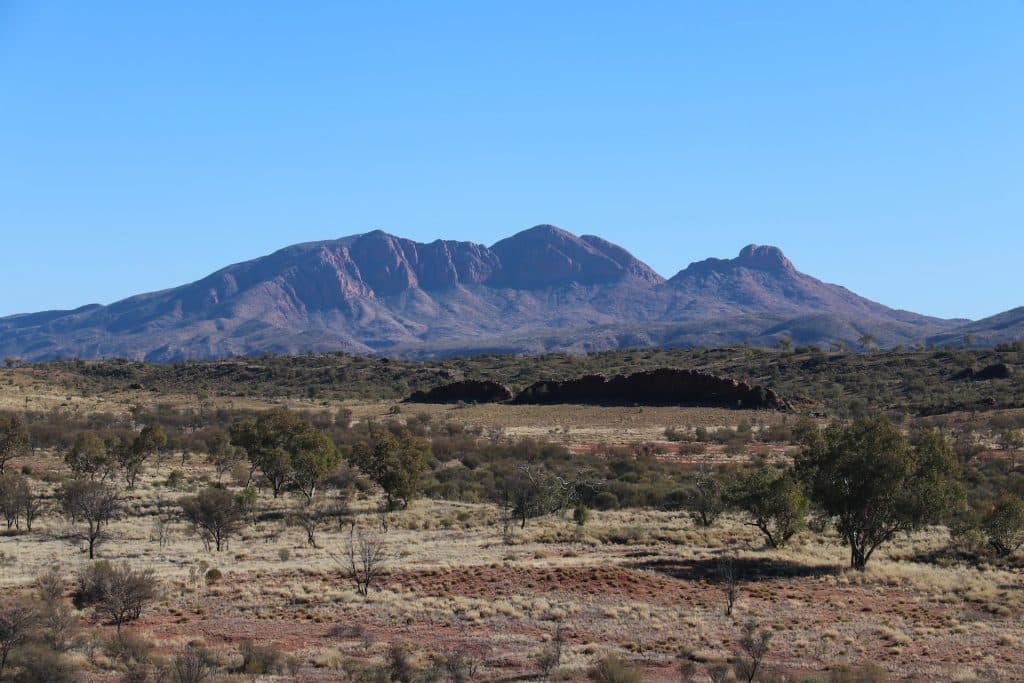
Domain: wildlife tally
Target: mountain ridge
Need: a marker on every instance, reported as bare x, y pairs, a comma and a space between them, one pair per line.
541, 289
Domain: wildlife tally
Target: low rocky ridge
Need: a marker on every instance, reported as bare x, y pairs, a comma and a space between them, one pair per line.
665, 386
468, 391
994, 371
655, 387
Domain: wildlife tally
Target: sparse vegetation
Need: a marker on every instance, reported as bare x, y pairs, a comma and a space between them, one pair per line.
115, 591
629, 531
366, 555
215, 514
90, 506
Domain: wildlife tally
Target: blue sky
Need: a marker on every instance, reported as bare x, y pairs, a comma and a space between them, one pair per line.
880, 144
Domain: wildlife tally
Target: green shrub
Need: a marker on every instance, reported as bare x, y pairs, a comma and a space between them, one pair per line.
581, 515
1004, 525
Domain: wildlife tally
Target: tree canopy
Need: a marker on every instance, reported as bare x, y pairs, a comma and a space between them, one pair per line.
876, 482
395, 462
287, 450
14, 439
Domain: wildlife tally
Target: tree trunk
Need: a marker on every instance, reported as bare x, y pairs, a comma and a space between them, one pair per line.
858, 558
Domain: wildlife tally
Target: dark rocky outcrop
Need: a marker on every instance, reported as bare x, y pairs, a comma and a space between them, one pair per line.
994, 371
656, 387
468, 391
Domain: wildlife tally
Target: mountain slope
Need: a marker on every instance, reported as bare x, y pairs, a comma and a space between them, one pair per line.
1004, 327
541, 289
762, 279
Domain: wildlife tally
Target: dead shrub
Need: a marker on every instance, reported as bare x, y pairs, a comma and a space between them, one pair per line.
612, 669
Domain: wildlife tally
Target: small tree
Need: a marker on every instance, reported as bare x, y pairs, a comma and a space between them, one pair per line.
115, 591
264, 441
866, 341
395, 463
221, 453
550, 657
1004, 525
877, 483
462, 665
310, 516
276, 466
150, 441
729, 579
91, 505
194, 664
31, 504
532, 490
367, 553
399, 662
774, 500
88, 456
287, 450
215, 514
14, 494
59, 624
18, 622
314, 457
14, 439
707, 499
755, 646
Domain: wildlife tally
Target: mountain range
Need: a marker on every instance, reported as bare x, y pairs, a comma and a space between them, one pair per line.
542, 289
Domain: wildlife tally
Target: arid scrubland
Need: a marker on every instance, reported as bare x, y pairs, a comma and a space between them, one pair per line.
465, 586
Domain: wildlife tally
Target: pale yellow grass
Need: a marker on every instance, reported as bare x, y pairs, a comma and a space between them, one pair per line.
814, 617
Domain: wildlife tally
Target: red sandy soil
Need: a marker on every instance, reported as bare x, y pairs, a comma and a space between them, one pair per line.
803, 601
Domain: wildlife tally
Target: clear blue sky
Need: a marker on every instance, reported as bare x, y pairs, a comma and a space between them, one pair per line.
880, 144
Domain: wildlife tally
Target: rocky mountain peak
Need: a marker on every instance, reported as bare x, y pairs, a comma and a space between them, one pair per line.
545, 256
541, 289
764, 257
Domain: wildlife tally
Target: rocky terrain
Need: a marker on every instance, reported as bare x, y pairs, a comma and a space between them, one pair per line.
542, 289
664, 386
468, 391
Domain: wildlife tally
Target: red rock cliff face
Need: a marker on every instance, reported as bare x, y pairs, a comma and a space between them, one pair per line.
390, 265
